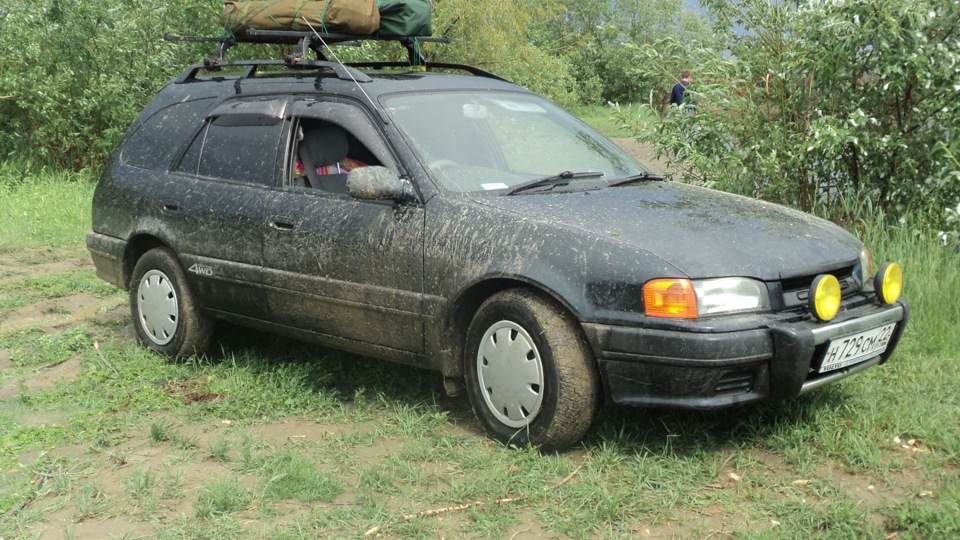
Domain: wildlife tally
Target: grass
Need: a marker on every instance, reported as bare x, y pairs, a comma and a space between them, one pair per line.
45, 210
270, 438
601, 118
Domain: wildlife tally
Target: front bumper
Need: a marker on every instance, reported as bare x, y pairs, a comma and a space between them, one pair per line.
705, 370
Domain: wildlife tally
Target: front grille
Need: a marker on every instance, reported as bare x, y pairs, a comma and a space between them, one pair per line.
735, 382
796, 291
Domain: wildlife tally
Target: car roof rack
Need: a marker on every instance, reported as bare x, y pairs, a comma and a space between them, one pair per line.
316, 42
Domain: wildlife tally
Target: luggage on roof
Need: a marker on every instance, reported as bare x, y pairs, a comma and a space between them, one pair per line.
404, 18
359, 17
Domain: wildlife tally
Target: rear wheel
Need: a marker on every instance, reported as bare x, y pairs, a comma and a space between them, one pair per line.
530, 375
165, 314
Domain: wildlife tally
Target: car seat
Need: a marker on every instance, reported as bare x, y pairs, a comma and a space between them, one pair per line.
324, 144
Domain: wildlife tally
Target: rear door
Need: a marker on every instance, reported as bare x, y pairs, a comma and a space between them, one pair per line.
348, 271
216, 201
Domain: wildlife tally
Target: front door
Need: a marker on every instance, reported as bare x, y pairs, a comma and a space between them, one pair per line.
348, 271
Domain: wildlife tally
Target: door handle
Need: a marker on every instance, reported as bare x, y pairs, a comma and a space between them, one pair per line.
282, 224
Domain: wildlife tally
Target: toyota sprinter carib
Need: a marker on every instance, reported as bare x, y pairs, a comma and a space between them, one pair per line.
447, 219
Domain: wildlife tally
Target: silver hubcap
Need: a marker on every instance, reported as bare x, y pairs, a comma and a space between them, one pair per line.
511, 374
157, 306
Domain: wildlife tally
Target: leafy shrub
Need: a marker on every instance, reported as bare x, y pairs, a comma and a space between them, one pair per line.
75, 74
834, 107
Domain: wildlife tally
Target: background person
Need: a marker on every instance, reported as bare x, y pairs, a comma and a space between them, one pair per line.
680, 89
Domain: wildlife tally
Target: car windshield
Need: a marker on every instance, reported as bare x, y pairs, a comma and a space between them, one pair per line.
495, 141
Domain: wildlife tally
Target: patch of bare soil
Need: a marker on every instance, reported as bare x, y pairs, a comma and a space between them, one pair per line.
645, 154
13, 268
8, 383
103, 500
49, 377
57, 314
38, 380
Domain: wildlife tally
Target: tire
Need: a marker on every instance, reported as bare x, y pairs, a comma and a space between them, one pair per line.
165, 314
531, 378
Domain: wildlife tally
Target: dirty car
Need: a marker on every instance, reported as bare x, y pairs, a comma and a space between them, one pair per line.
451, 220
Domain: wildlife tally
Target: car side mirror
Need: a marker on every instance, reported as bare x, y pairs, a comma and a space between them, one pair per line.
377, 183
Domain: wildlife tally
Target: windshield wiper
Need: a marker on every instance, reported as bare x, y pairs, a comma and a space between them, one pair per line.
565, 175
637, 178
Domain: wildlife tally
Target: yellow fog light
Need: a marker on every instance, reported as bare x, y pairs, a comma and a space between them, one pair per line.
825, 297
888, 282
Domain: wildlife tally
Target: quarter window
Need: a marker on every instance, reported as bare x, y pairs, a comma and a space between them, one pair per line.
157, 139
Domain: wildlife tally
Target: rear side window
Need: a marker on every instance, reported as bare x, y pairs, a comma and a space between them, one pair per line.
160, 136
244, 153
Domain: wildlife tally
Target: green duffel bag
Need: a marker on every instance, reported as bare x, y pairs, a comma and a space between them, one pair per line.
404, 18
328, 16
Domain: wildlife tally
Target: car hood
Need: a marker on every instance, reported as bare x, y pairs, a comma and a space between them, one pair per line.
702, 232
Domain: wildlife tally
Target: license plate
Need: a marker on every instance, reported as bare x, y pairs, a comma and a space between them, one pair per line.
846, 351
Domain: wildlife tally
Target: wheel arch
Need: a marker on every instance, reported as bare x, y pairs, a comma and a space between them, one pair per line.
464, 307
136, 247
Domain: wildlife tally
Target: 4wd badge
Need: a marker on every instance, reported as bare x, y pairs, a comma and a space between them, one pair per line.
202, 270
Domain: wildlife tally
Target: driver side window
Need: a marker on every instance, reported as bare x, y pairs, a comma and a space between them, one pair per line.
323, 153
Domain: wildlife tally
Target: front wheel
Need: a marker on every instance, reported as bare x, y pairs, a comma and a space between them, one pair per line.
165, 314
530, 375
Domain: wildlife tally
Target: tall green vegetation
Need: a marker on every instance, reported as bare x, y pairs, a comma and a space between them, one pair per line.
76, 73
839, 107
499, 36
602, 43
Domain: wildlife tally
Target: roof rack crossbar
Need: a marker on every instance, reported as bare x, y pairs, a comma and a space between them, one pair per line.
473, 70
343, 72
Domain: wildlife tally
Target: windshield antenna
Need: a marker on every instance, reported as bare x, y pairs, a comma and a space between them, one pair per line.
337, 58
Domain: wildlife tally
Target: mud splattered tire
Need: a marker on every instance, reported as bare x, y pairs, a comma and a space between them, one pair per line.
530, 375
165, 314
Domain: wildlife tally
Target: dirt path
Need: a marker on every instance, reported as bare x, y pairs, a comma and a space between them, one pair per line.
644, 154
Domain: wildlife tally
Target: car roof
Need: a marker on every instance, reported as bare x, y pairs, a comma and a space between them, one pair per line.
319, 78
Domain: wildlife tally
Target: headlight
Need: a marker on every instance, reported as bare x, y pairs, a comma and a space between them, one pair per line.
730, 295
686, 299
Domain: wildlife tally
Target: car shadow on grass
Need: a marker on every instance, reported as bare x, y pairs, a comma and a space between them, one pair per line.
345, 376
679, 431
349, 377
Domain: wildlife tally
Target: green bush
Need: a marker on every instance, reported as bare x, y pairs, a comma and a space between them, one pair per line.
75, 74
831, 107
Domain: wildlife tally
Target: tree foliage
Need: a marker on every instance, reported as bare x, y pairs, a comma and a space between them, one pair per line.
602, 42
77, 72
73, 75
833, 106
498, 35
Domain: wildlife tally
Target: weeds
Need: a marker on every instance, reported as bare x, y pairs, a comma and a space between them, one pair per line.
222, 497
161, 431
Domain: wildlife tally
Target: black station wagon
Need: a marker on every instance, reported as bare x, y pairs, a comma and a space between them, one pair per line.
448, 219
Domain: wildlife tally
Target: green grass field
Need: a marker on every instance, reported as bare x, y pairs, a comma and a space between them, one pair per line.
268, 438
